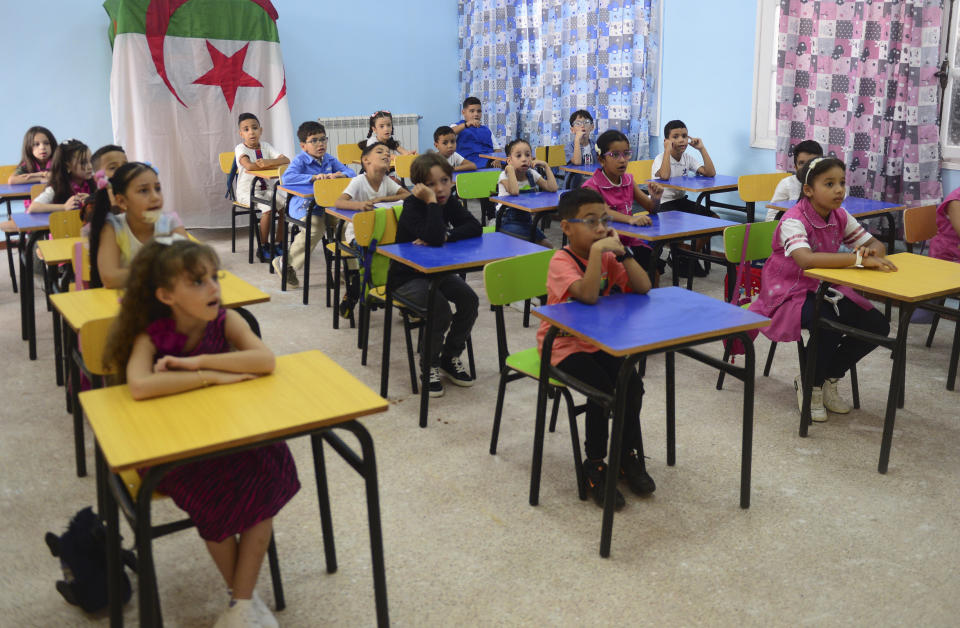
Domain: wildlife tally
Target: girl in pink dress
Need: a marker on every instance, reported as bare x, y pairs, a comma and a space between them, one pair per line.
946, 244
809, 236
172, 336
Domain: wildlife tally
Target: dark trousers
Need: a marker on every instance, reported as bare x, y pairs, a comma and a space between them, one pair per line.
450, 289
600, 370
837, 352
684, 204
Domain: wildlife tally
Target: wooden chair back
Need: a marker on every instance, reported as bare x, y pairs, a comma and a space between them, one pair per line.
402, 165
65, 224
641, 170
754, 188
81, 265
363, 225
5, 172
226, 161
93, 342
327, 191
36, 189
919, 223
348, 153
556, 156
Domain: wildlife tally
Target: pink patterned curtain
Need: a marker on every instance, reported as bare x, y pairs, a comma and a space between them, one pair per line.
858, 78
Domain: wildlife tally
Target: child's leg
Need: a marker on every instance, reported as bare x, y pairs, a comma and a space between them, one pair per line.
836, 353
416, 290
455, 290
250, 552
265, 218
224, 554
299, 246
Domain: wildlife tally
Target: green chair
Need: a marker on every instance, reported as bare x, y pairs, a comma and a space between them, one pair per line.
518, 279
479, 186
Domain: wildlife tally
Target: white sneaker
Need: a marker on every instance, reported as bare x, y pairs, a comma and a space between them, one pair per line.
832, 400
266, 618
817, 411
240, 615
292, 280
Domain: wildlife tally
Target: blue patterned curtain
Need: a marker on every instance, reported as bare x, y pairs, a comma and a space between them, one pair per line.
534, 62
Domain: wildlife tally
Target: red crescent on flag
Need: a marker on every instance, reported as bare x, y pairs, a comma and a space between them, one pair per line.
159, 13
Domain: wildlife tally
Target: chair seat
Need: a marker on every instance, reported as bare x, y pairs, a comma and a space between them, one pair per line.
241, 205
332, 247
131, 479
8, 226
528, 363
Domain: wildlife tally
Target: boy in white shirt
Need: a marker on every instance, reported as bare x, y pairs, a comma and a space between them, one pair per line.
445, 141
789, 188
252, 154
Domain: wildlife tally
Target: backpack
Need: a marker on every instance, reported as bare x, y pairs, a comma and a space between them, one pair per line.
82, 551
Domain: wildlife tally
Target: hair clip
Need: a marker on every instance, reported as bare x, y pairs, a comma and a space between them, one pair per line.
379, 111
810, 165
169, 239
596, 147
100, 176
69, 141
151, 166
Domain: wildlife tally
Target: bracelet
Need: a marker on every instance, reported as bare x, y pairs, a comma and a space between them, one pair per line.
859, 262
203, 382
621, 257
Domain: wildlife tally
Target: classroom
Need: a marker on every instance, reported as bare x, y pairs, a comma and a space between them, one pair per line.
758, 518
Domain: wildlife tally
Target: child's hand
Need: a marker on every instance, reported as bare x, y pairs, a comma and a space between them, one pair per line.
667, 145
367, 206
641, 220
424, 193
74, 201
174, 363
261, 164
609, 243
223, 377
541, 163
655, 189
879, 263
696, 142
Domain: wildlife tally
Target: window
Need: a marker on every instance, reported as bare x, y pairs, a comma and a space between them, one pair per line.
950, 101
763, 127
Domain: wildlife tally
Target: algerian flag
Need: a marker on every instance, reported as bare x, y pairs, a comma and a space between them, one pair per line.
183, 70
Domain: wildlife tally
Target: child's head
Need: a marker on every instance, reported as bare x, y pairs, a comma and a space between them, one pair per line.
250, 129
676, 131
381, 126
583, 213
435, 172
313, 139
108, 158
38, 144
70, 164
824, 183
178, 279
581, 119
445, 141
613, 147
519, 155
804, 152
375, 157
472, 109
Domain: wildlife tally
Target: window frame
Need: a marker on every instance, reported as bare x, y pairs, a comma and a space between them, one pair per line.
764, 75
950, 48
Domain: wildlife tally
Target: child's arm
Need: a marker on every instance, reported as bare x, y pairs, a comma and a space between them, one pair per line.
576, 157
399, 196
27, 177
639, 280
650, 203
340, 170
403, 151
251, 355
707, 169
587, 289
246, 163
548, 183
345, 201
663, 172
630, 219
112, 273
42, 204
432, 229
953, 213
510, 183
466, 164
266, 164
464, 224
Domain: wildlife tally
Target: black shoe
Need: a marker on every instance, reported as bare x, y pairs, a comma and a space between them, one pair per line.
346, 307
634, 470
595, 475
436, 384
264, 254
698, 269
453, 369
277, 250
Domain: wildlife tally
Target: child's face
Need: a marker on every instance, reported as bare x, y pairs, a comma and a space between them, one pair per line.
110, 161
80, 168
446, 145
250, 132
143, 199
41, 148
615, 160
471, 113
680, 140
377, 159
383, 129
582, 124
827, 190
194, 296
582, 235
520, 157
801, 159
315, 145
441, 184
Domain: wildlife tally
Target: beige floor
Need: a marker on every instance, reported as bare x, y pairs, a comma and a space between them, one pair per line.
826, 541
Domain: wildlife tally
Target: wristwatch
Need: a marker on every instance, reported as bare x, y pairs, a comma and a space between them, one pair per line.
622, 257
859, 262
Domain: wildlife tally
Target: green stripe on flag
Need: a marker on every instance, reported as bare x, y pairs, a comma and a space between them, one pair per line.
205, 19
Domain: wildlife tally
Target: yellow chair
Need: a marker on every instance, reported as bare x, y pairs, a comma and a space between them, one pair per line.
641, 170
556, 155
402, 165
81, 266
348, 153
755, 188
541, 153
228, 165
65, 224
5, 172
36, 189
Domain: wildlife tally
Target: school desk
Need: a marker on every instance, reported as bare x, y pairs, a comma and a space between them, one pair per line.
56, 252
436, 261
705, 186
671, 228
586, 170
15, 192
31, 228
260, 176
665, 320
307, 395
917, 279
536, 203
494, 156
71, 310
862, 208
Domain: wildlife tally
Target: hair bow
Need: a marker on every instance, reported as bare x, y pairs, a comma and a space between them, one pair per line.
101, 178
810, 165
379, 111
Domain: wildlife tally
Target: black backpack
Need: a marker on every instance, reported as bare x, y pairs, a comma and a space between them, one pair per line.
82, 550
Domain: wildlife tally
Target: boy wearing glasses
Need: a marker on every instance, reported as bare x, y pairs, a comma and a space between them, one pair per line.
312, 164
580, 150
594, 264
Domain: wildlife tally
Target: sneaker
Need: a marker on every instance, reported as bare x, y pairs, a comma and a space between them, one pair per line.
264, 616
817, 412
453, 369
346, 307
832, 400
240, 614
436, 384
292, 280
595, 475
277, 250
264, 254
699, 270
634, 470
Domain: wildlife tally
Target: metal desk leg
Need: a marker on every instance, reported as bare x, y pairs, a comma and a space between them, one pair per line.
337, 258
425, 356
385, 353
896, 381
669, 360
148, 600
110, 513
323, 501
21, 245
306, 257
810, 369
746, 455
541, 419
26, 291
69, 343
57, 347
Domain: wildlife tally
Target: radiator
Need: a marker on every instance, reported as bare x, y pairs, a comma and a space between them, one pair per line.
352, 129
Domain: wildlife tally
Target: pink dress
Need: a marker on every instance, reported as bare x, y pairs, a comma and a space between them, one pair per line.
946, 244
229, 494
784, 286
618, 196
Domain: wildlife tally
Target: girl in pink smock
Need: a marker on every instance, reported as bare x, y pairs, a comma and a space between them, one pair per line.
946, 244
809, 236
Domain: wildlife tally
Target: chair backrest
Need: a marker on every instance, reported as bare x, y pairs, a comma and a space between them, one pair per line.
402, 165
280, 170
759, 246
327, 191
93, 341
227, 160
556, 156
919, 223
641, 170
477, 184
348, 153
36, 189
364, 225
81, 265
65, 224
5, 172
754, 188
542, 153
517, 278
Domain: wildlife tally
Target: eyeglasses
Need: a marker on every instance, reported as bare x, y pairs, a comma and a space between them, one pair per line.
582, 123
616, 154
317, 140
592, 223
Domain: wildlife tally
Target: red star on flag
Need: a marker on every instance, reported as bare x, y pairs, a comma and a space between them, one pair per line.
227, 73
